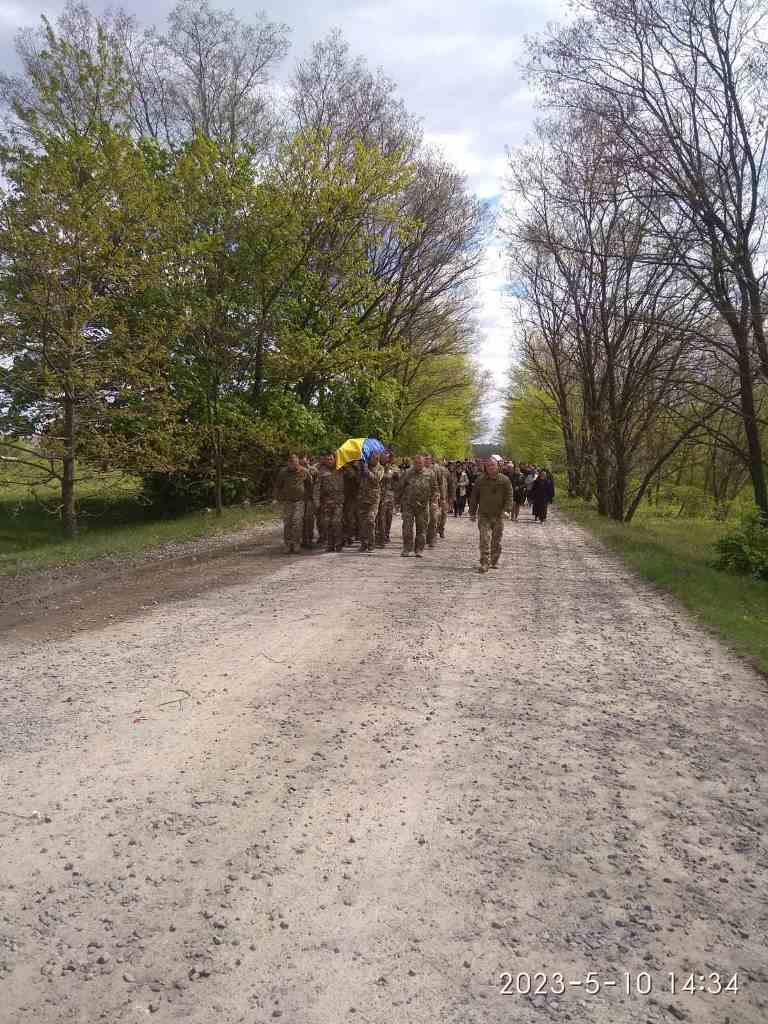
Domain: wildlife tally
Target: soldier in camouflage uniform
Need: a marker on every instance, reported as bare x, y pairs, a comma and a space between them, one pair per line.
310, 489
492, 499
435, 503
326, 465
416, 492
289, 491
387, 503
351, 488
449, 497
369, 497
330, 487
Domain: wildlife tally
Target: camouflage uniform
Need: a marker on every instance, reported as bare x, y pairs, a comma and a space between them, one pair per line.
416, 493
450, 497
322, 470
351, 488
368, 503
435, 505
289, 490
387, 504
331, 497
444, 482
491, 499
310, 490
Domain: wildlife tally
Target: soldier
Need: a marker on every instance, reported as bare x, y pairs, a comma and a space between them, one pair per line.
368, 500
448, 493
326, 465
289, 490
310, 487
387, 503
331, 500
351, 487
491, 498
435, 503
416, 492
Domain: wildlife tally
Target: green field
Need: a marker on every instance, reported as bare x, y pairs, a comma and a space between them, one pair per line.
674, 554
113, 520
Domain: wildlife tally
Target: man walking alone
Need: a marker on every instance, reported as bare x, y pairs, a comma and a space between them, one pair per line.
491, 498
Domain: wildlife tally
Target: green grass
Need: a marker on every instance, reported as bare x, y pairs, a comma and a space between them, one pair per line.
673, 553
113, 521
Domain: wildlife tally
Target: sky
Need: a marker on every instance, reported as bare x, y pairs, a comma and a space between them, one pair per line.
456, 66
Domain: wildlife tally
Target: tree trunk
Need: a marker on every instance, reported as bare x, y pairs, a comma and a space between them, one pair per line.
219, 487
68, 505
752, 434
218, 457
602, 478
619, 494
571, 459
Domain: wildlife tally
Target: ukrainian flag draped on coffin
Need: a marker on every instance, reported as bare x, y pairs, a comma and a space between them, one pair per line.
358, 448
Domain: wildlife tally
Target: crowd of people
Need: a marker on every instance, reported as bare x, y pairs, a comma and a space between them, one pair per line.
356, 503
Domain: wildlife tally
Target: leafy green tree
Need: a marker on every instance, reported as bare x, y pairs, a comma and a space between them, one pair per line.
530, 430
439, 408
83, 355
268, 278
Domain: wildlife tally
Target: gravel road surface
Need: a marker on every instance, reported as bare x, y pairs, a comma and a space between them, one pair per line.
349, 788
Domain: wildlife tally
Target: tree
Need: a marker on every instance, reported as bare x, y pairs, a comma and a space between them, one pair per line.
531, 429
303, 284
422, 307
438, 411
207, 75
82, 356
680, 86
611, 323
335, 94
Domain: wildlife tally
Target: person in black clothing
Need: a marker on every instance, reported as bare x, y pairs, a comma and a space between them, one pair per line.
471, 469
519, 492
541, 495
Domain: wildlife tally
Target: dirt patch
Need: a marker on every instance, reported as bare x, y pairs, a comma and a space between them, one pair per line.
65, 600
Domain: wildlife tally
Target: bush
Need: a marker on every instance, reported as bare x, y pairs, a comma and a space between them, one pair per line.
745, 550
252, 453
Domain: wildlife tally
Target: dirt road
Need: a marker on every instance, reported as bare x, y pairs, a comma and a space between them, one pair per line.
386, 782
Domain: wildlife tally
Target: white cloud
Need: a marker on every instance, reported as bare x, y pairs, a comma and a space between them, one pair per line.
484, 176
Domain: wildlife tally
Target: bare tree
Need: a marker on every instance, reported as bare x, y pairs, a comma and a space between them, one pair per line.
604, 297
92, 87
218, 67
680, 84
208, 74
333, 92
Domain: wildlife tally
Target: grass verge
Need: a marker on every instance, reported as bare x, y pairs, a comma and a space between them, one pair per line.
673, 553
112, 524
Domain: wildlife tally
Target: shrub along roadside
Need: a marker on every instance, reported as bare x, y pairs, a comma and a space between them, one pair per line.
677, 556
745, 549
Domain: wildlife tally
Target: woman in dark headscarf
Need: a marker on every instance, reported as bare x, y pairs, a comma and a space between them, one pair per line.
542, 495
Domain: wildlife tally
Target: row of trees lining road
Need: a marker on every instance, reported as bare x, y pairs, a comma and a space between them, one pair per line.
637, 240
198, 270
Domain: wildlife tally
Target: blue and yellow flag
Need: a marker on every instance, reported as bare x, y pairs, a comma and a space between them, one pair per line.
358, 448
